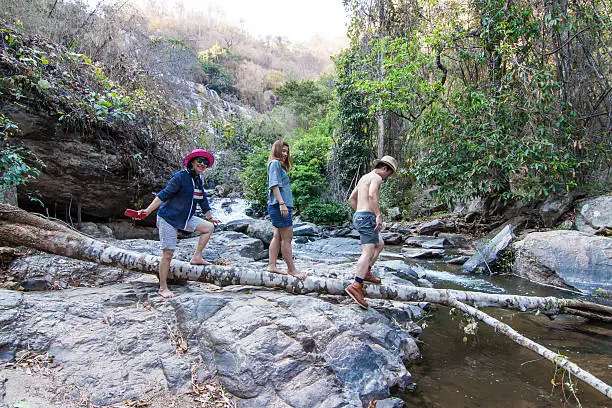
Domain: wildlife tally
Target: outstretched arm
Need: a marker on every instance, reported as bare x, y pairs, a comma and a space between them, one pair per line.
153, 206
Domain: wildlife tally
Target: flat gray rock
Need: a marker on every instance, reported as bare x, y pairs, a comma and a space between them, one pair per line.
422, 253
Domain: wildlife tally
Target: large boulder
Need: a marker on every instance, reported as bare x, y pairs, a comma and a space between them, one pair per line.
429, 228
568, 259
262, 230
594, 214
488, 253
553, 208
123, 342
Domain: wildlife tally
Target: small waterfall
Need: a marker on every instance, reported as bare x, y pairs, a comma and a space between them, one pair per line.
228, 209
211, 92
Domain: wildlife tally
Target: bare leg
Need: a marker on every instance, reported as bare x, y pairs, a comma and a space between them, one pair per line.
355, 289
377, 250
368, 252
205, 229
275, 245
286, 235
164, 269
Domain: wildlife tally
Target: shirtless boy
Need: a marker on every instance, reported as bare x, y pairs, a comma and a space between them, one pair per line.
368, 221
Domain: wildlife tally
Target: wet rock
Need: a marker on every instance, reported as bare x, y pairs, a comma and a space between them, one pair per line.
223, 190
390, 403
353, 234
424, 283
459, 260
392, 238
306, 229
127, 229
418, 241
336, 249
430, 227
568, 259
239, 225
422, 253
594, 214
456, 240
439, 243
34, 285
488, 253
394, 213
399, 268
341, 232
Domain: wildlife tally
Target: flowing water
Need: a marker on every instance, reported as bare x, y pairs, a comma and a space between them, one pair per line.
228, 209
486, 369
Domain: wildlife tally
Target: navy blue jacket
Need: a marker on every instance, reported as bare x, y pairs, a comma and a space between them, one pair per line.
178, 203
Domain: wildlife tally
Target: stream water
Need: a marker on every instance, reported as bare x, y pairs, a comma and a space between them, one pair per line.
490, 370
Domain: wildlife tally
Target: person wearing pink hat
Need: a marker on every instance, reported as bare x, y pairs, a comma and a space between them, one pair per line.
177, 204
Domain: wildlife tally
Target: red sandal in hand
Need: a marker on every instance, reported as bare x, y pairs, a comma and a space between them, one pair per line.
137, 215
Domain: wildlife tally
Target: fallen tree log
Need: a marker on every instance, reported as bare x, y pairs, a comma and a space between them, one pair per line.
20, 228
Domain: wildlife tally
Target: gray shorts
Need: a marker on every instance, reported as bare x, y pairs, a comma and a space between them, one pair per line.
365, 223
168, 234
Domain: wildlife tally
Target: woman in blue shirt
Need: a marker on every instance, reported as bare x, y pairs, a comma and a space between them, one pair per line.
280, 204
177, 204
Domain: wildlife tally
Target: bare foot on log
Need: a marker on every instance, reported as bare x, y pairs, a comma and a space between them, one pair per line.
166, 293
198, 260
274, 269
299, 275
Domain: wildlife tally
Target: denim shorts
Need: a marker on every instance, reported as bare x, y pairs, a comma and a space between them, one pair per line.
168, 234
365, 223
277, 219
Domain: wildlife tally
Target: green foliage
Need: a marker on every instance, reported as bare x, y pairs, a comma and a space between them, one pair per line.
352, 152
255, 176
478, 146
496, 97
70, 84
395, 192
245, 135
504, 261
309, 100
220, 77
330, 213
13, 168
507, 135
395, 81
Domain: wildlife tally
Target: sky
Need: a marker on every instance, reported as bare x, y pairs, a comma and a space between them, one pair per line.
296, 20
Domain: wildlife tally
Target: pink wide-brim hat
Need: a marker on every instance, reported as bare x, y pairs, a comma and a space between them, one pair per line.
199, 153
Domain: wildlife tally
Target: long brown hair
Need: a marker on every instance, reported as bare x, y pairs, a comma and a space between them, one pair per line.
277, 154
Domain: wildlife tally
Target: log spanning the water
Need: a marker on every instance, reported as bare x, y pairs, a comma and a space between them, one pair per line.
18, 227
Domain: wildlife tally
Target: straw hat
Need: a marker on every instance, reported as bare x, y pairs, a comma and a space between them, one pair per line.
199, 153
389, 161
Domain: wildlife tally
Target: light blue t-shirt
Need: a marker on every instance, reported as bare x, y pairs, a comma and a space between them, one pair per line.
277, 176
